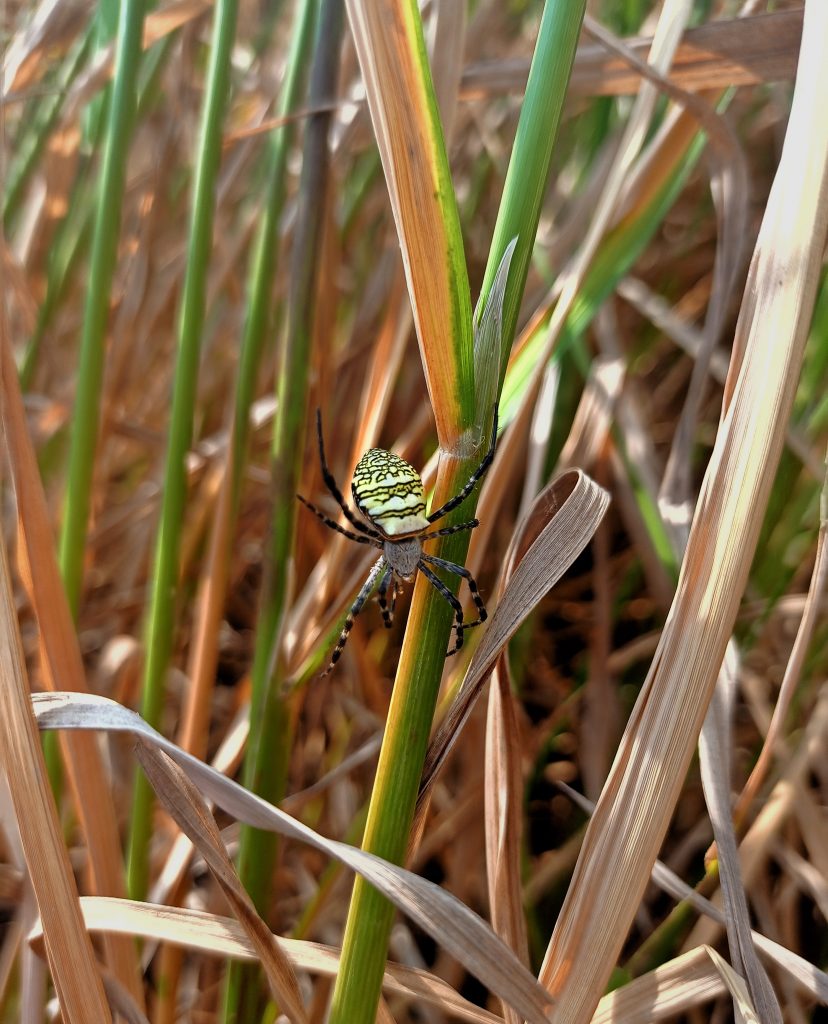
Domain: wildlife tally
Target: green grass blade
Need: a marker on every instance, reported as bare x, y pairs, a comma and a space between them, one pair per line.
160, 622
528, 173
265, 765
96, 312
421, 662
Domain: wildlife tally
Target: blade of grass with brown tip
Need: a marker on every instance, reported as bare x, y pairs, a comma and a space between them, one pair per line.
648, 772
392, 57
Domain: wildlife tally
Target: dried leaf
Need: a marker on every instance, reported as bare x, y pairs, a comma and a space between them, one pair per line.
559, 527
459, 930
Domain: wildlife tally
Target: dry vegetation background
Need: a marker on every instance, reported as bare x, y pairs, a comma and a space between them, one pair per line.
633, 395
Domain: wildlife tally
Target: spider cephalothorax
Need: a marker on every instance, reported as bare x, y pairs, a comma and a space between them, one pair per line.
388, 492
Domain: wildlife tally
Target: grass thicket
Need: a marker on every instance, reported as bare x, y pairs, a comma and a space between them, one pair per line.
216, 221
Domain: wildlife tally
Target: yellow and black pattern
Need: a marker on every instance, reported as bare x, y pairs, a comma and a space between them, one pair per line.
390, 493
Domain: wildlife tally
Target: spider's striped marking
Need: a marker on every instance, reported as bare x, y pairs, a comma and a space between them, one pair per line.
389, 492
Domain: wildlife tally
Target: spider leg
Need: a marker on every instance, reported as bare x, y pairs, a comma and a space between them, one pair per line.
444, 591
461, 570
461, 496
332, 486
446, 530
387, 614
354, 610
334, 525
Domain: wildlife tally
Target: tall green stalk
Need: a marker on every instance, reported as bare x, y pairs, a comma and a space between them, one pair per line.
96, 311
365, 945
528, 173
265, 766
160, 622
259, 320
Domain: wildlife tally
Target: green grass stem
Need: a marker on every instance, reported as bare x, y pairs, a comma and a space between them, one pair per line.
96, 313
365, 945
160, 621
265, 765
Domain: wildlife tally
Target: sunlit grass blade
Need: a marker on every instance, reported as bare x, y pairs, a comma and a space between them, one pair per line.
394, 65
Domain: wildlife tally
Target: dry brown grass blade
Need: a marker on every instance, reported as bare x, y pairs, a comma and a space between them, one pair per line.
715, 761
779, 806
682, 984
385, 37
223, 936
810, 978
68, 948
186, 804
452, 924
638, 800
504, 819
717, 55
564, 518
62, 665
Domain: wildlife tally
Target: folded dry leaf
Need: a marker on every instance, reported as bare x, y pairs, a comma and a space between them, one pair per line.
222, 936
452, 924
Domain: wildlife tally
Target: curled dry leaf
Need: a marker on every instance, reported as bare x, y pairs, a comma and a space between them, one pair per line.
558, 528
458, 929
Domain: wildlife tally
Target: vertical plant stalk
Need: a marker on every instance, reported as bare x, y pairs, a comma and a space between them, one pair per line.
96, 311
160, 621
265, 765
423, 653
528, 173
258, 323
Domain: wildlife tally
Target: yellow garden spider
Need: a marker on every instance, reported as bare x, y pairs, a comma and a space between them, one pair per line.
389, 494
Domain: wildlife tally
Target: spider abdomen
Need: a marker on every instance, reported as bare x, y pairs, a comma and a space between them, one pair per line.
389, 492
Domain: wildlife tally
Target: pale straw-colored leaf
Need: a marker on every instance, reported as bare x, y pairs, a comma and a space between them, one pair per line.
744, 1011
796, 662
780, 805
687, 982
224, 937
636, 804
715, 759
458, 929
813, 980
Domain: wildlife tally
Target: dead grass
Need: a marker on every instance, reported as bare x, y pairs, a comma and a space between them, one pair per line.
623, 638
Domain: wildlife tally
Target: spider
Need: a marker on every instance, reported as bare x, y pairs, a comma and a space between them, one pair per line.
389, 494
